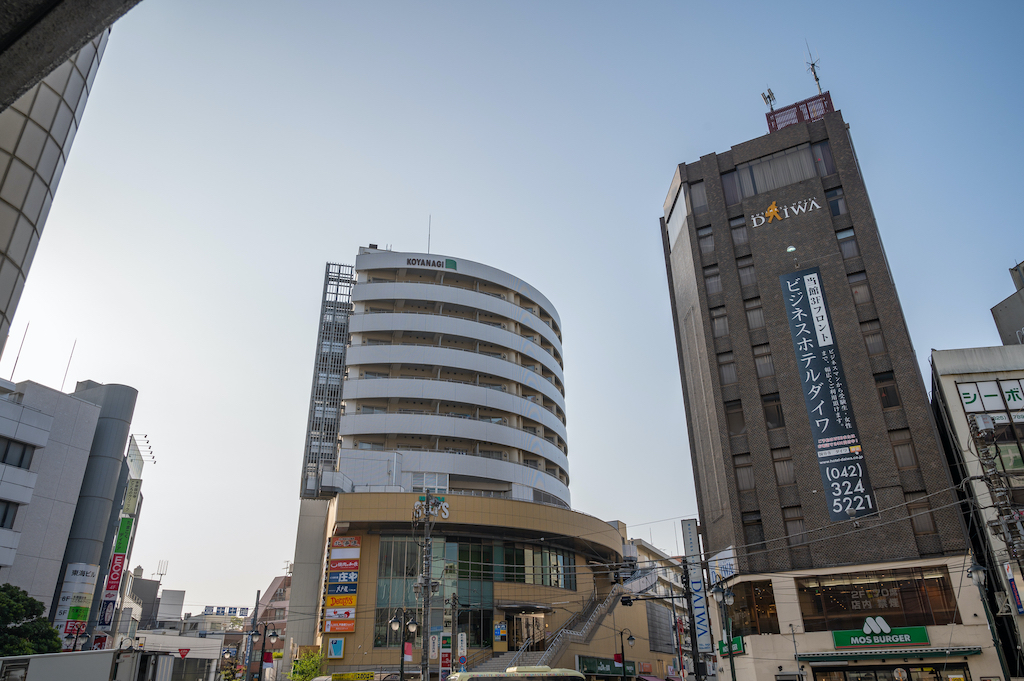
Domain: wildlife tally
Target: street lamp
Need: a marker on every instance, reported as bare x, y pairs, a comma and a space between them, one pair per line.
725, 597
631, 641
79, 632
401, 622
256, 636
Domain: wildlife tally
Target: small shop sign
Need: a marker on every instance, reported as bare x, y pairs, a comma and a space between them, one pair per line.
600, 666
737, 647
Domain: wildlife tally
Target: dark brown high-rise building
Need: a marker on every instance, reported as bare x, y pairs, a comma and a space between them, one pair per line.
821, 486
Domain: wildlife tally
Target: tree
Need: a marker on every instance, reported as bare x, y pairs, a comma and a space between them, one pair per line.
307, 667
23, 629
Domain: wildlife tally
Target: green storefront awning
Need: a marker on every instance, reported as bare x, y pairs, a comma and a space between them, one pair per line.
887, 653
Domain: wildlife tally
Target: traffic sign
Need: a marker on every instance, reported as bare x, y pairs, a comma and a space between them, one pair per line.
183, 652
462, 659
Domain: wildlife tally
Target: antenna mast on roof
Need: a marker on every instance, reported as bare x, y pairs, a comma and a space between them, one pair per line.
429, 219
769, 99
812, 66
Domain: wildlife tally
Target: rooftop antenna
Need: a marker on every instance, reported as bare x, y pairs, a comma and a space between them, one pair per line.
812, 66
161, 570
428, 233
20, 347
769, 99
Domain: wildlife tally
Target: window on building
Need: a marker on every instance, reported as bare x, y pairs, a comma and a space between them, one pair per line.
763, 360
15, 453
748, 276
370, 409
376, 446
698, 198
726, 368
753, 531
731, 188
429, 482
836, 201
793, 516
744, 472
739, 231
719, 322
785, 474
822, 154
859, 287
885, 383
920, 513
734, 418
712, 280
706, 240
753, 610
872, 331
848, 243
773, 411
903, 449
904, 598
8, 510
755, 315
776, 170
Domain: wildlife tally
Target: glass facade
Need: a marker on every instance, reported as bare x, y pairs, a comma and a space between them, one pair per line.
467, 569
905, 598
753, 611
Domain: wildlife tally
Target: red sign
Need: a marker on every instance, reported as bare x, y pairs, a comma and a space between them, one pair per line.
446, 659
74, 627
99, 643
183, 652
345, 542
340, 626
343, 564
116, 569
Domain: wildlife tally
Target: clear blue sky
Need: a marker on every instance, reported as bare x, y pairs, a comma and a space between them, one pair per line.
230, 149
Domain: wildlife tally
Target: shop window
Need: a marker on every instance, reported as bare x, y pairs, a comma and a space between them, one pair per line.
785, 474
744, 472
719, 322
748, 276
885, 383
904, 597
755, 314
920, 513
873, 339
734, 418
848, 244
753, 611
859, 287
739, 231
763, 360
712, 280
903, 449
706, 240
773, 411
726, 368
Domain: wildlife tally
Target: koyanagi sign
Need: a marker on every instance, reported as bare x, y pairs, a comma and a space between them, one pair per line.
446, 264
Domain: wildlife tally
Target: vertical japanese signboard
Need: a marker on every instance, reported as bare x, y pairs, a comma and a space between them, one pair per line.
691, 542
341, 584
840, 457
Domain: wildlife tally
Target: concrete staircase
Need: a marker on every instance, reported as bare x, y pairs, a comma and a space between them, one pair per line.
498, 663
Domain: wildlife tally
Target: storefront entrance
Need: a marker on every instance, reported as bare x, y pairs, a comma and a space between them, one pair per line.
526, 627
896, 672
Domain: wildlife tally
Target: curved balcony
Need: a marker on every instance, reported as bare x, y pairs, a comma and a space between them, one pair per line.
414, 322
435, 425
457, 359
453, 295
449, 391
387, 260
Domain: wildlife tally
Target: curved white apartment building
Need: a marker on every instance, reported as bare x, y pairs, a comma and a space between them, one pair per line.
453, 381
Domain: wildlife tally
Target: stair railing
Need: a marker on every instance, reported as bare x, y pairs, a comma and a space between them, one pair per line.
584, 632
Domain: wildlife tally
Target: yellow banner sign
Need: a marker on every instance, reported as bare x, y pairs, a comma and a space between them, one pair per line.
348, 601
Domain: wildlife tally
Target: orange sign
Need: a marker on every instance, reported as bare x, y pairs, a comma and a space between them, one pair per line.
339, 626
346, 542
346, 601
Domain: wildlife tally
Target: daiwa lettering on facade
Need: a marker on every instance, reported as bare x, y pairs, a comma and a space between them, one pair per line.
776, 212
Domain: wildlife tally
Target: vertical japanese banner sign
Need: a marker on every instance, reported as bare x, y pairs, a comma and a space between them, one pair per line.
699, 594
840, 459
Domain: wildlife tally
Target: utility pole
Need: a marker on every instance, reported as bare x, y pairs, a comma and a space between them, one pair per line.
678, 633
425, 511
